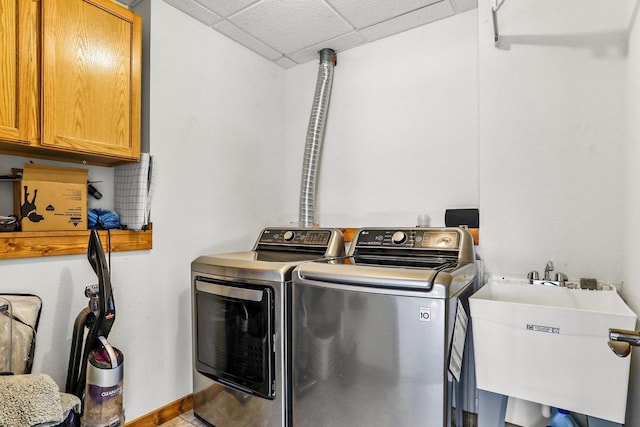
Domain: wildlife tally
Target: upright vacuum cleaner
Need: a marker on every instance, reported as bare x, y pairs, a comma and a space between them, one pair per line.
95, 367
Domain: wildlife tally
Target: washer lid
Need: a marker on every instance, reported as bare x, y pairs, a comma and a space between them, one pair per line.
248, 265
348, 273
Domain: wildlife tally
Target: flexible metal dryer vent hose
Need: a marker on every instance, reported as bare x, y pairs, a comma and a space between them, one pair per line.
315, 134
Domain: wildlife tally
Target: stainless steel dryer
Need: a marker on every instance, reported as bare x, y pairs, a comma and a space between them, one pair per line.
372, 335
239, 305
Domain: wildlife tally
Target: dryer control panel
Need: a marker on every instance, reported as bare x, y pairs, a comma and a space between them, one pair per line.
295, 237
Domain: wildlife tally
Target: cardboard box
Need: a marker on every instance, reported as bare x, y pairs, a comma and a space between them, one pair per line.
52, 198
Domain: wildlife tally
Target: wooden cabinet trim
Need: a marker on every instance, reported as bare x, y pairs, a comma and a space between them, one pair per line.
24, 61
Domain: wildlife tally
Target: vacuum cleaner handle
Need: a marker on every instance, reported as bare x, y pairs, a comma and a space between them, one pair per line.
98, 320
106, 313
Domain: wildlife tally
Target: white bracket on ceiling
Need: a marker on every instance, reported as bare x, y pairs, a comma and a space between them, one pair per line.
497, 4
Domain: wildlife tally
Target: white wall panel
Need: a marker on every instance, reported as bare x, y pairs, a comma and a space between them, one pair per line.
552, 138
541, 134
216, 129
401, 135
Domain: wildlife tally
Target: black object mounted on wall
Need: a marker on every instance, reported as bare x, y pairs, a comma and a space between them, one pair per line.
462, 217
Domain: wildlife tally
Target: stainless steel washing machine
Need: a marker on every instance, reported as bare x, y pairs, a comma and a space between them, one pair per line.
240, 333
372, 335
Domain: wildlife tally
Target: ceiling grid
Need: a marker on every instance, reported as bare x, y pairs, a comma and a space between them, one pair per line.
291, 32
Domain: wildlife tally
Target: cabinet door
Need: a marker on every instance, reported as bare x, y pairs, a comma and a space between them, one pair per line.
91, 56
19, 95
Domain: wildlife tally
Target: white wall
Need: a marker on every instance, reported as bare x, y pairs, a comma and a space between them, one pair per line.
433, 118
554, 147
216, 130
551, 134
632, 195
401, 135
535, 126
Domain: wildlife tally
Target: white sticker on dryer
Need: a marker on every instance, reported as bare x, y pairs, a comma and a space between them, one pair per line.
425, 314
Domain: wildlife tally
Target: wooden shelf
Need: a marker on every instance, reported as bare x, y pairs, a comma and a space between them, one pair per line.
29, 244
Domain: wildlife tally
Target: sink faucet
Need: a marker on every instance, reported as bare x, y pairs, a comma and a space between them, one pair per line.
559, 279
547, 269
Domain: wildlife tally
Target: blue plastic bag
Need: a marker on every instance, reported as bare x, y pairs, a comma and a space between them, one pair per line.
100, 219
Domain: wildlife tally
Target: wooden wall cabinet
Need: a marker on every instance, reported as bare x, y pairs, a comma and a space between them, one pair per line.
70, 80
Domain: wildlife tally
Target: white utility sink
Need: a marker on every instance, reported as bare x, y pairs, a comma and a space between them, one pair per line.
548, 344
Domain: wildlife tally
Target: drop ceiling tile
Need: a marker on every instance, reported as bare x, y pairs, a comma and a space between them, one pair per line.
464, 5
247, 40
291, 25
290, 32
225, 8
196, 11
407, 21
338, 44
363, 14
285, 62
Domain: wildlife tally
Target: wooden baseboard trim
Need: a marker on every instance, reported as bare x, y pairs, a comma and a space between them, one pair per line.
164, 414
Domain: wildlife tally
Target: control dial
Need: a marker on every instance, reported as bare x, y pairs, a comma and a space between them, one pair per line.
399, 237
288, 235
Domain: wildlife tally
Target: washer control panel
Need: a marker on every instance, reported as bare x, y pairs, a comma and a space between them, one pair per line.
416, 238
295, 237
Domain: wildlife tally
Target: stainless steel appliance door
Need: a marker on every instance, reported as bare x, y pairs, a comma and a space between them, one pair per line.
234, 335
367, 357
218, 403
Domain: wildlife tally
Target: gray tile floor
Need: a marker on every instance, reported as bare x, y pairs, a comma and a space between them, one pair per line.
185, 420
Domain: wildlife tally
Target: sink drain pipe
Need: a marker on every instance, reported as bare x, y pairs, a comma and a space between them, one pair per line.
315, 134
